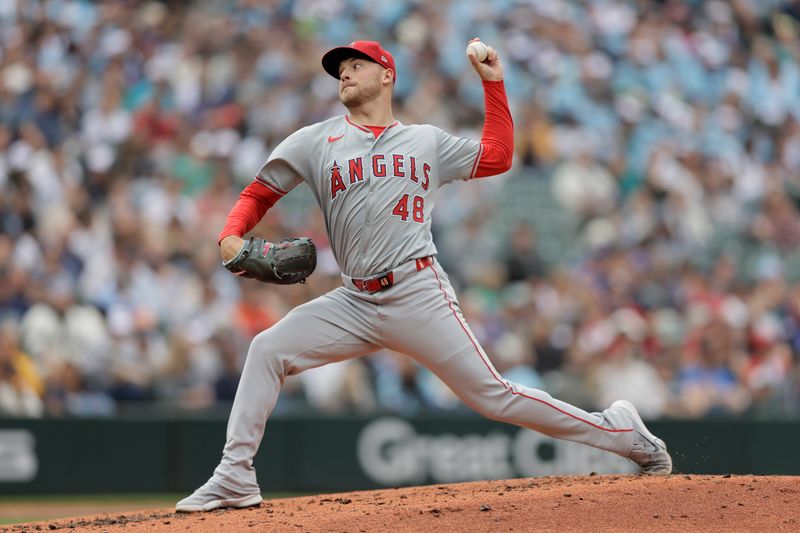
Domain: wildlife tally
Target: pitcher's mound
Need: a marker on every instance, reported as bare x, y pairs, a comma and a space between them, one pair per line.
597, 503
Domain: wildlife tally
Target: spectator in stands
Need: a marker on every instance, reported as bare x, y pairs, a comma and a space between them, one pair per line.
706, 382
21, 386
522, 259
658, 148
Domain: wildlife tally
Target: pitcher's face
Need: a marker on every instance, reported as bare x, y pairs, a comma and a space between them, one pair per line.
361, 81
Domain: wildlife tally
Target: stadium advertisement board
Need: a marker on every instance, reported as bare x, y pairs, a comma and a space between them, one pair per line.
348, 453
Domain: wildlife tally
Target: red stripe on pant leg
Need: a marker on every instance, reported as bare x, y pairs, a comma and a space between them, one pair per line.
503, 383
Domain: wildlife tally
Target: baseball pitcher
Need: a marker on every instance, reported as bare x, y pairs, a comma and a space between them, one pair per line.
376, 181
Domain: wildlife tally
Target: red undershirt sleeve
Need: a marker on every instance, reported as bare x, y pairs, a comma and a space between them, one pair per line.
253, 203
497, 139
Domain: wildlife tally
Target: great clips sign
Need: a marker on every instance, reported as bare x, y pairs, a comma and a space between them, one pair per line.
391, 451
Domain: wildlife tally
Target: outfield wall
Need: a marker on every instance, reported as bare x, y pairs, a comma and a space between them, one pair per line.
318, 454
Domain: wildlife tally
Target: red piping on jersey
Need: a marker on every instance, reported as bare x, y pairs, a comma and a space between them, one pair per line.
367, 128
273, 188
476, 164
359, 126
503, 382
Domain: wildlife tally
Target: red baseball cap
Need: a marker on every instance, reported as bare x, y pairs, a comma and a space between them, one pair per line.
371, 50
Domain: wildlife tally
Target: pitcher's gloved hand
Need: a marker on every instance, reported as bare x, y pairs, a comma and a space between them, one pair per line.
289, 261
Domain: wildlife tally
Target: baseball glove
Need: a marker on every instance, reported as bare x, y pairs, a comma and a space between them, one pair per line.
289, 261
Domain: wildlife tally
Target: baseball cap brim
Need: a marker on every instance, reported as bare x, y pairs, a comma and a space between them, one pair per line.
332, 59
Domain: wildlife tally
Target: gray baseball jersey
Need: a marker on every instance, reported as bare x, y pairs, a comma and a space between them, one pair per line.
377, 195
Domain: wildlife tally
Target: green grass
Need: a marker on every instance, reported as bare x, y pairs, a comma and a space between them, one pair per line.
122, 497
18, 520
87, 498
165, 500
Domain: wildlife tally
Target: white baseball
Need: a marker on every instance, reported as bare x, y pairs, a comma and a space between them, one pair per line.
480, 50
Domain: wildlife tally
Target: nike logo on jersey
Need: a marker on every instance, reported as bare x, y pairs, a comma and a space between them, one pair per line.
334, 139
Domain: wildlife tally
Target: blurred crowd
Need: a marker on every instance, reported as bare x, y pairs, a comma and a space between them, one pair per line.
662, 139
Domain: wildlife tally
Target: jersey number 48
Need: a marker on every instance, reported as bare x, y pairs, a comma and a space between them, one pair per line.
417, 208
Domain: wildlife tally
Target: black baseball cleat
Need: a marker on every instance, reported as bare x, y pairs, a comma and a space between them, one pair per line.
649, 452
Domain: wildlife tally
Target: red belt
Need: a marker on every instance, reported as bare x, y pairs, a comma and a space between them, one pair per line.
381, 282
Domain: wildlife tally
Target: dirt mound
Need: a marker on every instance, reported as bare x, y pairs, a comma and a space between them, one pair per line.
597, 503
